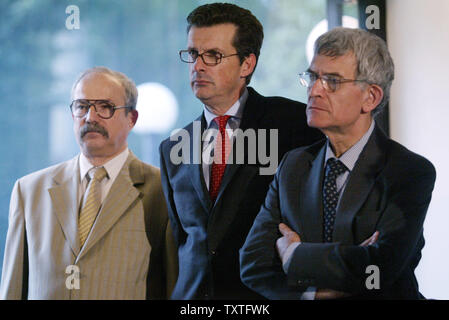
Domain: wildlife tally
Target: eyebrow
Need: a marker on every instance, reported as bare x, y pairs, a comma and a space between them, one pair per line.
211, 49
326, 74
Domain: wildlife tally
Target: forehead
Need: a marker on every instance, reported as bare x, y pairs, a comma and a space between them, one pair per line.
345, 65
219, 36
99, 86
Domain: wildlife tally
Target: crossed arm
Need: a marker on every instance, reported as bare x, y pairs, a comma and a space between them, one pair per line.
395, 249
290, 237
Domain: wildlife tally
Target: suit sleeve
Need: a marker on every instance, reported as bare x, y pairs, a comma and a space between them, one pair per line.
176, 228
344, 267
260, 265
14, 281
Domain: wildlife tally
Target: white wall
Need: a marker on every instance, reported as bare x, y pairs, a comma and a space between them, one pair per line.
418, 38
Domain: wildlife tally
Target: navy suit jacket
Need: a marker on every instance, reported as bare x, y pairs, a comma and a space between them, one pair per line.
388, 190
209, 235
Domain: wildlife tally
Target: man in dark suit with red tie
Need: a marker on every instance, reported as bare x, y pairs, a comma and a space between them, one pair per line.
215, 191
343, 218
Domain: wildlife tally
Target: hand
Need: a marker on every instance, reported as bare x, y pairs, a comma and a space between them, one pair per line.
288, 237
327, 294
371, 240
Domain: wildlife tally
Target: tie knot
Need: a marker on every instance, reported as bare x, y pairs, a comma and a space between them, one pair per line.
335, 167
99, 173
221, 121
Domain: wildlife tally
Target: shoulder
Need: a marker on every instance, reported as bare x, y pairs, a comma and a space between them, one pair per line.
402, 160
182, 133
280, 104
148, 171
298, 156
67, 167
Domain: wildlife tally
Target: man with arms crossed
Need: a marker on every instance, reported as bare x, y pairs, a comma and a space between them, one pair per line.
93, 227
350, 205
212, 206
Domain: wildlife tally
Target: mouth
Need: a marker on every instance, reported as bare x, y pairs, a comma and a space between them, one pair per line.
93, 129
314, 106
200, 83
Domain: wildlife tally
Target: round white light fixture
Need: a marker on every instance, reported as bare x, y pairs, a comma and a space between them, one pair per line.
157, 107
320, 28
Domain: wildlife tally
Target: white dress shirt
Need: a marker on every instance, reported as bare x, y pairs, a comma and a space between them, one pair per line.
112, 167
235, 112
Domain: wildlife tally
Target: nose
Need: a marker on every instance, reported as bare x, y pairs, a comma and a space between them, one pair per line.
91, 115
199, 64
317, 89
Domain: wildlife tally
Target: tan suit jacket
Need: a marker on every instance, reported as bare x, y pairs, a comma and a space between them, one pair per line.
129, 253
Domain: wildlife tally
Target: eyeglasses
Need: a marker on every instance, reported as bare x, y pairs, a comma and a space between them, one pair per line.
210, 58
104, 108
330, 83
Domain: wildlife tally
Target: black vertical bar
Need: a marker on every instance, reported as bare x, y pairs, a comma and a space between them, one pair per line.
383, 118
334, 11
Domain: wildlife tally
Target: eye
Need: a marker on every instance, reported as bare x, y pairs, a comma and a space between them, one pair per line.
81, 106
104, 105
331, 79
312, 76
193, 53
213, 53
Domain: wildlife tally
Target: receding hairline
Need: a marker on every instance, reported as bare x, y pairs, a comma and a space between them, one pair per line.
97, 73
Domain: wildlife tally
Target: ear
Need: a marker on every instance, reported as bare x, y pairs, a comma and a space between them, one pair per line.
248, 65
132, 116
374, 96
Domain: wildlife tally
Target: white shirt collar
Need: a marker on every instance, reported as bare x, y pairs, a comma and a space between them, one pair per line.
349, 158
235, 111
112, 167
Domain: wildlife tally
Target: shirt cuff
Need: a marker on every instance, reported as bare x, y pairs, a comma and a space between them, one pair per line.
309, 294
288, 254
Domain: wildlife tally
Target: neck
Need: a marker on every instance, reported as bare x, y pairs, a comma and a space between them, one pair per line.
100, 160
220, 109
342, 139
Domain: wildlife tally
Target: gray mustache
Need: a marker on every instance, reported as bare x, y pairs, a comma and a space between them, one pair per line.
93, 127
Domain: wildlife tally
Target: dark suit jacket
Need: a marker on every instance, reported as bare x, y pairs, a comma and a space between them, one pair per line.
388, 190
208, 234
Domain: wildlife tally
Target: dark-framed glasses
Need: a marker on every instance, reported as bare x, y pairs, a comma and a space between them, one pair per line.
330, 82
104, 108
210, 57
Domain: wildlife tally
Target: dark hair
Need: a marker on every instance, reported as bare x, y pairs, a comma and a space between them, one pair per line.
249, 34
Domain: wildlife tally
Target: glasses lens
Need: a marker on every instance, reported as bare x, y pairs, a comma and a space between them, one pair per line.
306, 79
104, 109
79, 108
188, 56
211, 58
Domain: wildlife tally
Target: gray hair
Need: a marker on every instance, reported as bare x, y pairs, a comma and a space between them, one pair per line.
374, 63
128, 85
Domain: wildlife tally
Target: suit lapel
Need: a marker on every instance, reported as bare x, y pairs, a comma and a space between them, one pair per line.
360, 183
120, 197
310, 203
64, 197
194, 168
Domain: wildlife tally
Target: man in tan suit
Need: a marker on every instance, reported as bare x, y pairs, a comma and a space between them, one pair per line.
94, 227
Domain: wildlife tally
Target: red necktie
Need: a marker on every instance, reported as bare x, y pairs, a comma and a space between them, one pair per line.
221, 153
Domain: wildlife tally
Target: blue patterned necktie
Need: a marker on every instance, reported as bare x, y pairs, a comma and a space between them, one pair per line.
334, 168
